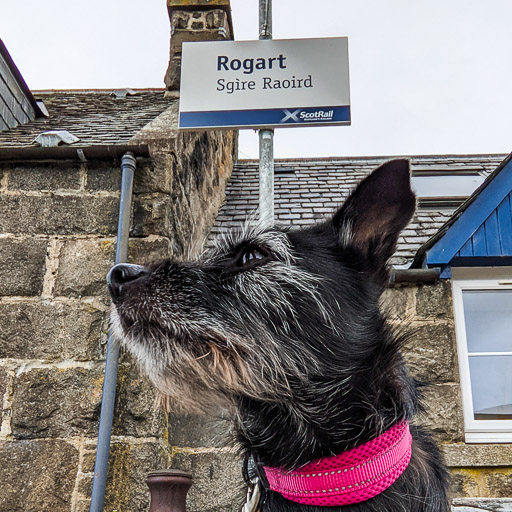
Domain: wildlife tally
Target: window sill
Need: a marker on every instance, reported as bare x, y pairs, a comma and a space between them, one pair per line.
488, 437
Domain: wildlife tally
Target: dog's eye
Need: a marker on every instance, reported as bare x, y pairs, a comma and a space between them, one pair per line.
251, 256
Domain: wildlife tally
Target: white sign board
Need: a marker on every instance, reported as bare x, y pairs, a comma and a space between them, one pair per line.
269, 83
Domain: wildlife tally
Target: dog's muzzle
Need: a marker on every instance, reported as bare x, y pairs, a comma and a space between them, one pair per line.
122, 274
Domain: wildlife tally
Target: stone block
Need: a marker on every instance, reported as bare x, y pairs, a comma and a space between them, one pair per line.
84, 263
500, 482
58, 214
482, 505
84, 484
136, 412
443, 412
430, 353
216, 19
434, 301
83, 267
398, 303
477, 455
51, 331
195, 431
23, 266
153, 215
466, 482
62, 402
172, 76
37, 475
3, 388
154, 175
103, 176
45, 176
128, 467
82, 505
217, 483
58, 402
147, 250
3, 381
482, 482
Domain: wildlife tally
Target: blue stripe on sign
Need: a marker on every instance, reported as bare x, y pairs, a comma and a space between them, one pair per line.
270, 117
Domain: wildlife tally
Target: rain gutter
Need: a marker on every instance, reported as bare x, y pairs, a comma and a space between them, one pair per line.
73, 152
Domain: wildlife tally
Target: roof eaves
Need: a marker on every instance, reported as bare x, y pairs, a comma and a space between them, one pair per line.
436, 159
73, 152
49, 92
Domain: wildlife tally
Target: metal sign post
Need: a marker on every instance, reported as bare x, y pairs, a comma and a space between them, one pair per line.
266, 153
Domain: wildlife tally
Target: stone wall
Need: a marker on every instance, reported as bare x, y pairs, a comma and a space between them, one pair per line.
58, 221
478, 470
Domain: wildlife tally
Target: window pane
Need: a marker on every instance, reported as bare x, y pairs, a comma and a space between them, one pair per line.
445, 186
488, 317
491, 386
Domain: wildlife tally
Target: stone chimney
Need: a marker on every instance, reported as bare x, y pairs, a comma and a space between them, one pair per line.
194, 20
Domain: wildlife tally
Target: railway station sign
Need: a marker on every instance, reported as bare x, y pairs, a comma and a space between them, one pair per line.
264, 84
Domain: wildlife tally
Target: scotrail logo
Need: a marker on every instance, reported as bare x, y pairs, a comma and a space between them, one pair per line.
299, 115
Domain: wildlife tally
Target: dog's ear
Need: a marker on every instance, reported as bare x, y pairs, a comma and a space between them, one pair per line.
373, 216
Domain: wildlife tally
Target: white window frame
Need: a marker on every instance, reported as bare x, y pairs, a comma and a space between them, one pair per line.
463, 279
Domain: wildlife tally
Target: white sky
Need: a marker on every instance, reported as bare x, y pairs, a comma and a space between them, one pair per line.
426, 76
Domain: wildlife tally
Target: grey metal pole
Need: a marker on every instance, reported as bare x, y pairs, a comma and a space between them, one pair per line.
266, 153
128, 166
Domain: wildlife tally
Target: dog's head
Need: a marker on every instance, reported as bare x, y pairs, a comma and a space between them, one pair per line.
269, 310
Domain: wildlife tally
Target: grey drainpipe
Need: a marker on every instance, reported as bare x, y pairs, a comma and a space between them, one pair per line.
128, 166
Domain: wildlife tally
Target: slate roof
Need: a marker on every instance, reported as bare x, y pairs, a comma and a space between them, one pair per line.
96, 117
307, 190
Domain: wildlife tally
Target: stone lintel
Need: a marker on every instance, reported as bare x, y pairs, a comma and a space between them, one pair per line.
477, 455
482, 504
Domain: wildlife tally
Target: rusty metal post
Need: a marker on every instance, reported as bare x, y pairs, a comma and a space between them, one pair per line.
168, 490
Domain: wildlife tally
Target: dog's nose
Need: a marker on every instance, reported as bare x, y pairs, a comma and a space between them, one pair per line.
121, 274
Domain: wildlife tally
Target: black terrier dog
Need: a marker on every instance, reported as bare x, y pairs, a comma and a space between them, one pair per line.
284, 325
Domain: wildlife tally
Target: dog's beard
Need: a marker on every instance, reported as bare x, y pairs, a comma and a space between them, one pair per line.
198, 364
186, 380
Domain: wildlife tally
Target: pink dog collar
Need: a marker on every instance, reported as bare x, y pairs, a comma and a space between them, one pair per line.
350, 477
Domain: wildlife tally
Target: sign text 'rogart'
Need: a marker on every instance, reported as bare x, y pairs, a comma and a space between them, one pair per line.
273, 83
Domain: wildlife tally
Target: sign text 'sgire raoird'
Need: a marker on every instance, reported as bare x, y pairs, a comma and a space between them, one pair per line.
269, 83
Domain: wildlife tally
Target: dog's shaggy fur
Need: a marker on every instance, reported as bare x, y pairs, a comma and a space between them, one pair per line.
285, 326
